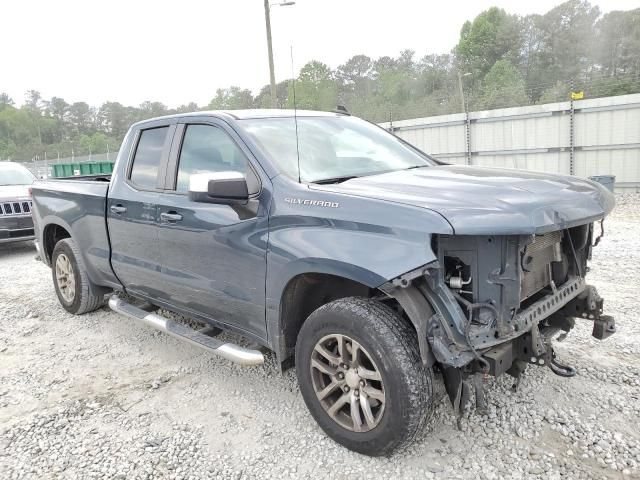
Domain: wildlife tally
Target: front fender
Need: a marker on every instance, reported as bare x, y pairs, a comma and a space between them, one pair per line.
288, 273
365, 240
370, 255
328, 228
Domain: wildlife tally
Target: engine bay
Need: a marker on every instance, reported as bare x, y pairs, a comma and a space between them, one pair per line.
496, 278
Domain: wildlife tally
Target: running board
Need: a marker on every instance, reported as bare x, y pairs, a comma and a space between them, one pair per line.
230, 351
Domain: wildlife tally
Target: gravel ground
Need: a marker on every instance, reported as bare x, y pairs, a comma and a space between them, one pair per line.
98, 396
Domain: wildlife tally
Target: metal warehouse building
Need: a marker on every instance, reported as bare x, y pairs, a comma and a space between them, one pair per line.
599, 136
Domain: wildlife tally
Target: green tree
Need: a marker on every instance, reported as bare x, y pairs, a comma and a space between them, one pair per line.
395, 86
114, 119
503, 86
57, 108
5, 101
315, 88
263, 99
618, 43
492, 36
354, 80
232, 98
18, 132
152, 109
437, 85
80, 117
33, 100
95, 143
189, 107
560, 92
355, 73
610, 86
565, 37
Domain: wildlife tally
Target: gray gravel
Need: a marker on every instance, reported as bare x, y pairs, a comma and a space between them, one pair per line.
100, 397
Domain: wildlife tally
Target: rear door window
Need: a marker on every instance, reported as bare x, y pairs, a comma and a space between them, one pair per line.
148, 156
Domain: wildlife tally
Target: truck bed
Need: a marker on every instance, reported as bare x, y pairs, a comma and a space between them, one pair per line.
77, 205
99, 177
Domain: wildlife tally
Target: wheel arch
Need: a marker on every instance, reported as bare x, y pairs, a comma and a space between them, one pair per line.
403, 384
52, 233
306, 288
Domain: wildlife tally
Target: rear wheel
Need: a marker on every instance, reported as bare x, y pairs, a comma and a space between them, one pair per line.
361, 376
75, 291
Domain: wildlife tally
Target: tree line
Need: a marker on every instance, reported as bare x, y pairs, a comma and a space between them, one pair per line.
500, 60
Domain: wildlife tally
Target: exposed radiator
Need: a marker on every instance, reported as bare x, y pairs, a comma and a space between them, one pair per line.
536, 263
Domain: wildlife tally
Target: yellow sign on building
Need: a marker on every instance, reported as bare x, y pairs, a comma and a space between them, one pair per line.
577, 95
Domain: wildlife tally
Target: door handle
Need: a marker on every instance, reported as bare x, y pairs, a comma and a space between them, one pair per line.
170, 217
118, 209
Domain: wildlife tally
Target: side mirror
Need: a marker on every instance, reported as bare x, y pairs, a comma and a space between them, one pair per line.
218, 187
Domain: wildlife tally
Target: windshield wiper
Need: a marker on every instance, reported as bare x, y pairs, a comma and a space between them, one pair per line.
417, 166
325, 181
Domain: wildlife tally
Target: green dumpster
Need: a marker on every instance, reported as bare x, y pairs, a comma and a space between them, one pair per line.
61, 170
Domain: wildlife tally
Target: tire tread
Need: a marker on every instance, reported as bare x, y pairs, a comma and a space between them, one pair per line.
90, 298
401, 344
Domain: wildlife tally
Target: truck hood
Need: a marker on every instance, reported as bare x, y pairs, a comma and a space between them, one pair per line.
488, 201
14, 192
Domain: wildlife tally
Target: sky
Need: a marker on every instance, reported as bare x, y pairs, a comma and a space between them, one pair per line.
178, 52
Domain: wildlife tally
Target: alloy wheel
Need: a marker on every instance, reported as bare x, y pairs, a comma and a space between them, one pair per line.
347, 383
65, 278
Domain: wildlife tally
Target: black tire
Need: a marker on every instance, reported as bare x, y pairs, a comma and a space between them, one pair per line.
391, 343
87, 296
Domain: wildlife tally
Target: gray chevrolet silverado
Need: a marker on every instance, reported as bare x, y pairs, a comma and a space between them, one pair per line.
15, 203
370, 266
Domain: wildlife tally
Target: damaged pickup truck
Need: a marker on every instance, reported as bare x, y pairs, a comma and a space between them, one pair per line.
371, 266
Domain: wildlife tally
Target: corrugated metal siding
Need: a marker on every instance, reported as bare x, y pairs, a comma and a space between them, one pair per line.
606, 138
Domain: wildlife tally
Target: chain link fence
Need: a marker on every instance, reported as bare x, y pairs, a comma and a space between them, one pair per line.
42, 167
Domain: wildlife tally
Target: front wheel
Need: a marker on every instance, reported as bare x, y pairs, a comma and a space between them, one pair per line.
75, 291
361, 376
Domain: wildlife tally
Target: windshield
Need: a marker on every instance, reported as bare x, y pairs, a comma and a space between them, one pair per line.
331, 148
15, 175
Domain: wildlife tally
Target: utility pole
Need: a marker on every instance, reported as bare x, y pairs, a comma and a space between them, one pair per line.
272, 75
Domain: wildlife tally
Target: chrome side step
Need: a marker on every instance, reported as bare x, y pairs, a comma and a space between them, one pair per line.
230, 351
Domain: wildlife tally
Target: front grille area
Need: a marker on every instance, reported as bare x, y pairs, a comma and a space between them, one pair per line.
536, 263
15, 208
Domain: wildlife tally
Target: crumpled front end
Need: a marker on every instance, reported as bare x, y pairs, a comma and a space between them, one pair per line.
492, 304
